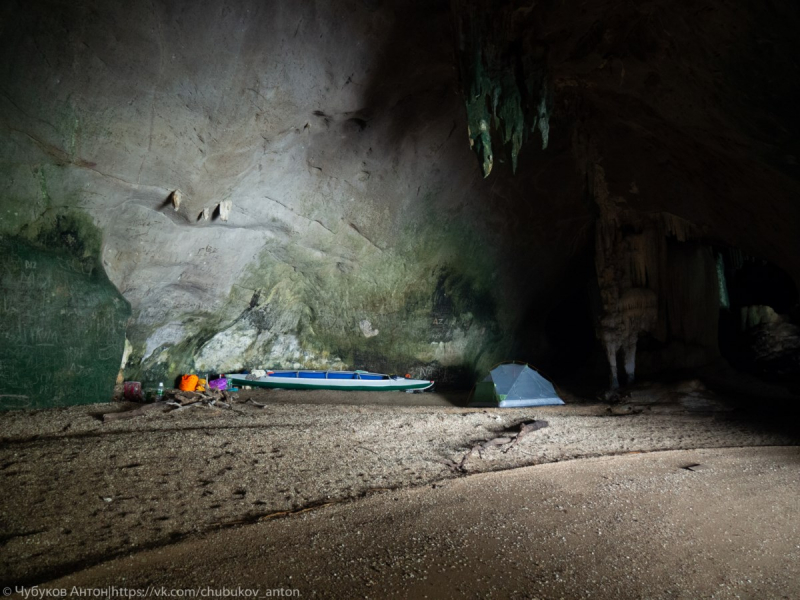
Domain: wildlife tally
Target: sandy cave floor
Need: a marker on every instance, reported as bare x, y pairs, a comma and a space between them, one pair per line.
80, 493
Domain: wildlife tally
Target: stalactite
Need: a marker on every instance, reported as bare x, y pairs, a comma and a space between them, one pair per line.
679, 228
644, 254
724, 297
652, 274
652, 278
502, 70
622, 264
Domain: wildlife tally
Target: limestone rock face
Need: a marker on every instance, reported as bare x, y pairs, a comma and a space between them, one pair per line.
290, 183
276, 183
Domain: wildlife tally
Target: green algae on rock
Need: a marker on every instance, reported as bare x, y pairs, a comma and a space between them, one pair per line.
503, 76
63, 331
426, 305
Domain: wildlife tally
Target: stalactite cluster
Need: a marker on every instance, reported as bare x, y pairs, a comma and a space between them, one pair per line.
651, 277
502, 70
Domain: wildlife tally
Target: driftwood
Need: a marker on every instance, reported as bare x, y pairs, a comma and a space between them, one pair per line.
526, 429
175, 400
210, 397
498, 441
184, 398
506, 443
457, 467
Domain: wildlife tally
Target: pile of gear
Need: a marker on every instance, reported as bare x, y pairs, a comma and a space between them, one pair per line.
193, 383
193, 390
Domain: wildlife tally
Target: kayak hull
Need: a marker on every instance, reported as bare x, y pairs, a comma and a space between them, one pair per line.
332, 380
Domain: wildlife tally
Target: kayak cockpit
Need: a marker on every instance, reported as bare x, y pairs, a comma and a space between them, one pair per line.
330, 375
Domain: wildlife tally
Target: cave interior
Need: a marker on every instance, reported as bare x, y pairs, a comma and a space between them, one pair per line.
191, 187
606, 191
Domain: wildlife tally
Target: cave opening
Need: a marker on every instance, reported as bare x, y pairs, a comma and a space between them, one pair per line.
759, 318
569, 331
559, 339
709, 303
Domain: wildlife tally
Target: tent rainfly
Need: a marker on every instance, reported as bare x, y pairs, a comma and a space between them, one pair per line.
512, 385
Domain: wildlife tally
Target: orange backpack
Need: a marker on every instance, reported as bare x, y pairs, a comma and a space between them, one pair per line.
188, 383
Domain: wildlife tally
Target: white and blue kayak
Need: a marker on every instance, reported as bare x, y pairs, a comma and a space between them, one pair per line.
360, 381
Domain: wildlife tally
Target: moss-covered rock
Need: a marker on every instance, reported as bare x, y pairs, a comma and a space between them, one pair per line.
430, 300
63, 322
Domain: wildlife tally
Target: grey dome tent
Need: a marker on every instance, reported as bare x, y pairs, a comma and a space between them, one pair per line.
512, 385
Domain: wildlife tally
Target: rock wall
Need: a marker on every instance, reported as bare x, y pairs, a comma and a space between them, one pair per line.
277, 184
291, 183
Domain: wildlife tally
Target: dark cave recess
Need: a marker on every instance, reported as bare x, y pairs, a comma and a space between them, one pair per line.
756, 331
759, 332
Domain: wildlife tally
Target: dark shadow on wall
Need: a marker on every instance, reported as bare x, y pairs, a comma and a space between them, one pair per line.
558, 338
414, 81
